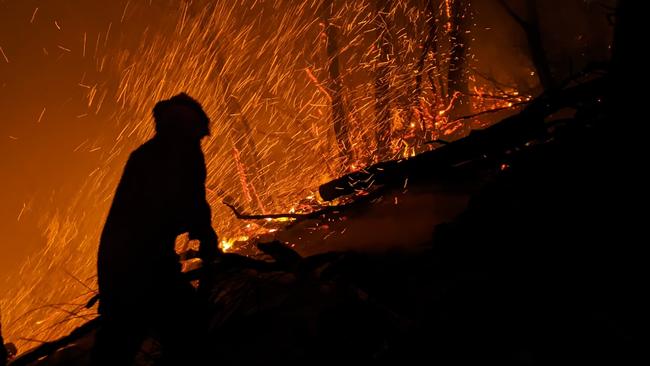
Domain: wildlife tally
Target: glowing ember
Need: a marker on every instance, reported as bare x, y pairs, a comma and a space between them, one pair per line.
226, 245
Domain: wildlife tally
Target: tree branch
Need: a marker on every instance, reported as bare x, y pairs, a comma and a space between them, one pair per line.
261, 217
514, 105
513, 14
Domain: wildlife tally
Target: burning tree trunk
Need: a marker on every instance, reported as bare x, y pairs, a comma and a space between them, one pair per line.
339, 119
456, 80
430, 46
382, 79
535, 44
249, 165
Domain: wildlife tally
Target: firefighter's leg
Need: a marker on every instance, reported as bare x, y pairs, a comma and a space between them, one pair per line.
182, 326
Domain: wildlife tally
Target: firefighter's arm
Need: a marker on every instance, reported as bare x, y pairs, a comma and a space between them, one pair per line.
201, 219
201, 229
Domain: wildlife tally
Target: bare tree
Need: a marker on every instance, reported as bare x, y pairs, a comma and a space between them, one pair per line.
530, 26
458, 50
430, 46
382, 77
456, 75
339, 119
244, 141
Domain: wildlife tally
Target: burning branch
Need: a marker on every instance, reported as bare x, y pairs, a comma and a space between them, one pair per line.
242, 216
456, 80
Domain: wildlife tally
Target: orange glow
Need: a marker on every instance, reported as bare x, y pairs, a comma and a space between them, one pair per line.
262, 74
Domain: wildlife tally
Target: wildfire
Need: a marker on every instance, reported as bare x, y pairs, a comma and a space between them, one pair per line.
227, 245
270, 75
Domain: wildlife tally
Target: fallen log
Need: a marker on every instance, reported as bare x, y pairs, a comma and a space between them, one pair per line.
296, 218
512, 132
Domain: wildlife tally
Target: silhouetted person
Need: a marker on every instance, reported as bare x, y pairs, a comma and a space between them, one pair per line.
160, 196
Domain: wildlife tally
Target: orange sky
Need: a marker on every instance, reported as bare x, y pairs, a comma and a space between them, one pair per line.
43, 42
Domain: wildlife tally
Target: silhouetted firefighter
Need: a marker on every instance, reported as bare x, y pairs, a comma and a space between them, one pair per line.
160, 196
